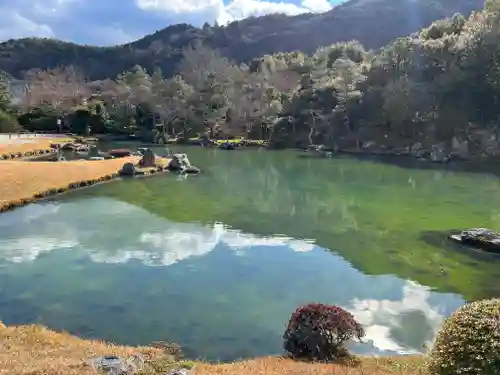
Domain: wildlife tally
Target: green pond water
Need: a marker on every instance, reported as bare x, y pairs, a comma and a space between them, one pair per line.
217, 262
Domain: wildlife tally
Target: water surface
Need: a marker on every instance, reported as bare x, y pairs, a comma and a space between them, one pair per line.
217, 262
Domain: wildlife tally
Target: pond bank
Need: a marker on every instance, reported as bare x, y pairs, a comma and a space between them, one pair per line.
24, 182
33, 349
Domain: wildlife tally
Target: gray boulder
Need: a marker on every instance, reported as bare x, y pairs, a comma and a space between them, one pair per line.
417, 150
128, 169
460, 148
481, 238
181, 371
179, 162
191, 170
438, 154
113, 365
148, 158
93, 152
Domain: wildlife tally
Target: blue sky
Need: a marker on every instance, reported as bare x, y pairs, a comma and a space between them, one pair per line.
108, 22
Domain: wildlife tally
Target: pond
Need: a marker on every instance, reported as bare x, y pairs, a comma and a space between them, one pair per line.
217, 262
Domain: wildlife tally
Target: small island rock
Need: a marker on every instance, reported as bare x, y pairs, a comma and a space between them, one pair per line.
148, 159
179, 162
482, 238
128, 169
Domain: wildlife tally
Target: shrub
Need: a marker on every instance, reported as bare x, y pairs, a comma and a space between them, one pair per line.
318, 332
469, 341
8, 123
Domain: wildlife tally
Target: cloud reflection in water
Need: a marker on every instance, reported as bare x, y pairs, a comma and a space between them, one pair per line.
111, 231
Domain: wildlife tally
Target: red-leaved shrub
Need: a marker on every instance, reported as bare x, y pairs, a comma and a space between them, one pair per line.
318, 332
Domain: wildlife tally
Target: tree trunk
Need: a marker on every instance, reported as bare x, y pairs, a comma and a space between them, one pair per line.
311, 131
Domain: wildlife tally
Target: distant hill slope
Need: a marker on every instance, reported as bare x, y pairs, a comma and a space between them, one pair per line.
372, 22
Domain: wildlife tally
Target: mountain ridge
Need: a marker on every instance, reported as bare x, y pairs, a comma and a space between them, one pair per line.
372, 22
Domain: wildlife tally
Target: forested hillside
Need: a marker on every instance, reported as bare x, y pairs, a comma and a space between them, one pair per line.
431, 93
372, 22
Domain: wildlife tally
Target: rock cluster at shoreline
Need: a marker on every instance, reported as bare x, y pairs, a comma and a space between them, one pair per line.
437, 153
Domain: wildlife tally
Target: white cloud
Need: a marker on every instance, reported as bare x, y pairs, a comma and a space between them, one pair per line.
106, 23
102, 235
210, 10
15, 25
112, 35
179, 6
317, 5
51, 8
380, 317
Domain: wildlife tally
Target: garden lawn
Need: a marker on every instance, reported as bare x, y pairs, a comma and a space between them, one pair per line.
24, 145
23, 180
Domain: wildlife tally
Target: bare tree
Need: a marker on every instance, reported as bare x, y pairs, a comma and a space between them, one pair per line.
61, 88
170, 101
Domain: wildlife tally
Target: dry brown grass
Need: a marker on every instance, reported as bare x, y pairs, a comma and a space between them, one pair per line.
22, 180
30, 350
36, 145
284, 366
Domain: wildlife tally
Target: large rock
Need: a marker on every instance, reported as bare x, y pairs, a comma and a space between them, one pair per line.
113, 365
128, 169
148, 159
180, 371
227, 146
369, 146
460, 148
161, 137
191, 170
490, 143
417, 150
72, 146
119, 152
481, 238
438, 154
93, 152
179, 162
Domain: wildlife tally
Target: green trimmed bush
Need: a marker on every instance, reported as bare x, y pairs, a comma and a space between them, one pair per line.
469, 341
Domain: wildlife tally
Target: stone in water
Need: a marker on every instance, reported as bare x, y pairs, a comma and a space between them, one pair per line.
481, 238
149, 159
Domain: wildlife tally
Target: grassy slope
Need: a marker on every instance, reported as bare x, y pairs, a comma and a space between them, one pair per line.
32, 349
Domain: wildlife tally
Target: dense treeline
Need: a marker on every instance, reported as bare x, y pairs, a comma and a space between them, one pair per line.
372, 22
440, 86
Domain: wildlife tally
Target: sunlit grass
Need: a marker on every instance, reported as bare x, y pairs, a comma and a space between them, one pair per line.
36, 146
33, 349
23, 182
